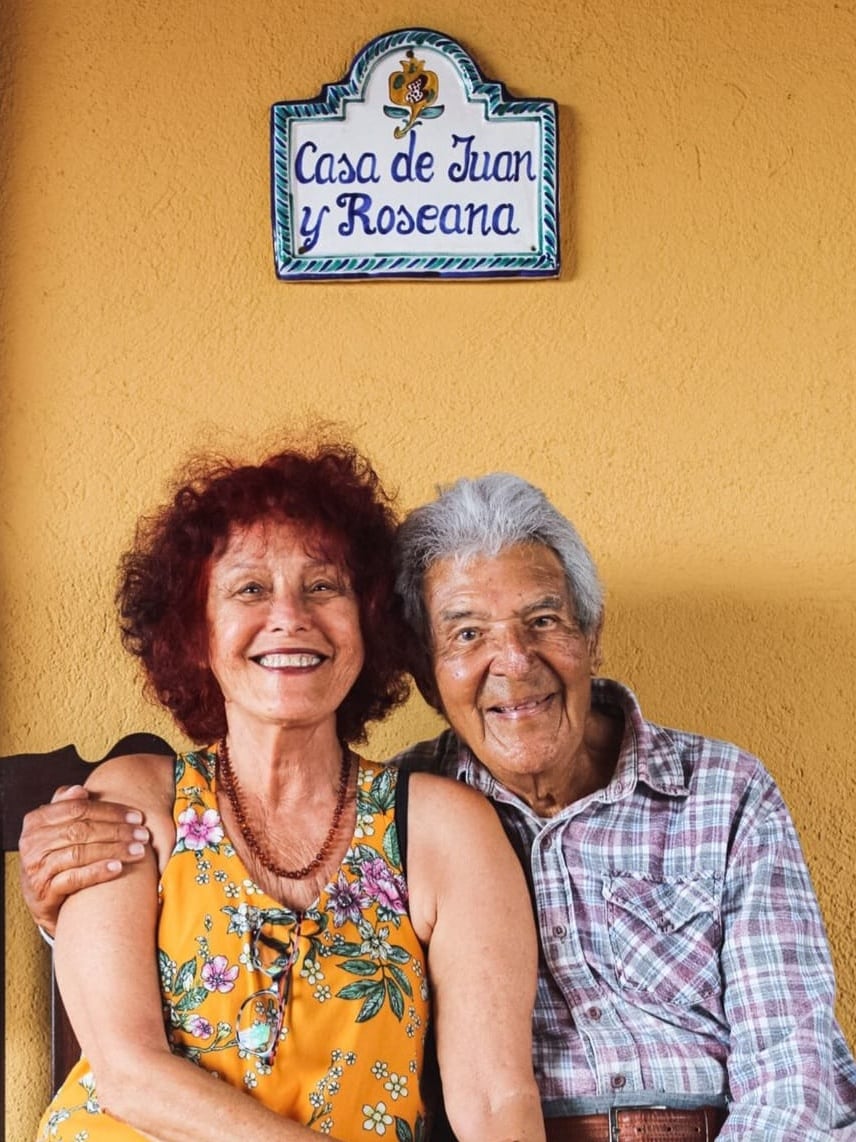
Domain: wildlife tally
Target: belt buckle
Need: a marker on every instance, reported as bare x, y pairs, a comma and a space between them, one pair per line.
615, 1129
614, 1133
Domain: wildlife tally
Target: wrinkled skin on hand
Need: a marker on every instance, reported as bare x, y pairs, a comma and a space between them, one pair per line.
74, 842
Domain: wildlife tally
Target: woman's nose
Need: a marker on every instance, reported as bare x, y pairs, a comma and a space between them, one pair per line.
288, 612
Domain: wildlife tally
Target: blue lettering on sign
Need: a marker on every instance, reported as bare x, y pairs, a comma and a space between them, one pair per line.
330, 168
407, 166
482, 166
385, 220
311, 231
452, 218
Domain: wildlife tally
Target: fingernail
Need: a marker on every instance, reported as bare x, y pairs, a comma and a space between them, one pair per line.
114, 866
134, 817
141, 834
136, 850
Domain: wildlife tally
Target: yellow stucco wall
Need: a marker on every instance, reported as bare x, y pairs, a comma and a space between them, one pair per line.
685, 391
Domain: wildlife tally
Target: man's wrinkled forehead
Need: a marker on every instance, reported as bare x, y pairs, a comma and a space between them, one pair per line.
463, 585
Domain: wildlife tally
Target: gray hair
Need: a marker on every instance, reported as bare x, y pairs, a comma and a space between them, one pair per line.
483, 517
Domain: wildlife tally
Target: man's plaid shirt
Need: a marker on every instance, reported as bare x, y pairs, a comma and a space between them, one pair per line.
683, 954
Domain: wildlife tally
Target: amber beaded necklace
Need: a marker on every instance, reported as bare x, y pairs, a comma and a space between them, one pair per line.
232, 789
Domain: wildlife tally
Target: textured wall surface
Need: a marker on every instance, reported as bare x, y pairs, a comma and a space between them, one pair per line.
685, 391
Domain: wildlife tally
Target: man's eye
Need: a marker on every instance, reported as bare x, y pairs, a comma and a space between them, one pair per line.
467, 634
544, 622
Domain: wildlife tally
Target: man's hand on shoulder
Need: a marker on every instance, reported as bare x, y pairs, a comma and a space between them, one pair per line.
74, 842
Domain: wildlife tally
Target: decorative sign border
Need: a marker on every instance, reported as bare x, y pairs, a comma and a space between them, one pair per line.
294, 261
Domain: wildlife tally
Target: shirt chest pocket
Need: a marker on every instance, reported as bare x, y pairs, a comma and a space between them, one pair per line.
664, 935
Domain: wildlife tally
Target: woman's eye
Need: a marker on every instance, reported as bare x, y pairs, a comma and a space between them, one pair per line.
250, 589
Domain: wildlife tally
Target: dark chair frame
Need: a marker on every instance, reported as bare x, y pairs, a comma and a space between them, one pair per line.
28, 780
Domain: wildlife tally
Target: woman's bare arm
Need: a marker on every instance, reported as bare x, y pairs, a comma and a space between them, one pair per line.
75, 841
470, 903
107, 969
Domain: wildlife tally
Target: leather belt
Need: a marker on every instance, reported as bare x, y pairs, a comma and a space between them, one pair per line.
640, 1123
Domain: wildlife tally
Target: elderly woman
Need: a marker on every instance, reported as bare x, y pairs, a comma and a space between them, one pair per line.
301, 926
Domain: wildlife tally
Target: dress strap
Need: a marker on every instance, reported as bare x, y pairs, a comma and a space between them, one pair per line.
402, 800
441, 1131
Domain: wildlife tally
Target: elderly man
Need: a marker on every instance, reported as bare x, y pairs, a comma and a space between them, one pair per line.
685, 983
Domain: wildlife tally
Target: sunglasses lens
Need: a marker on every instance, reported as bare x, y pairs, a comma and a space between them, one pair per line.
258, 1022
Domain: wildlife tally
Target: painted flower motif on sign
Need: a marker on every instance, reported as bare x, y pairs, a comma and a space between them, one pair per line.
413, 92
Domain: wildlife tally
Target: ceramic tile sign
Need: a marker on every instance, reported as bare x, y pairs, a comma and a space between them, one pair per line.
414, 166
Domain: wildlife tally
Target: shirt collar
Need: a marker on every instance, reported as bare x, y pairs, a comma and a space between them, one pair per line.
647, 756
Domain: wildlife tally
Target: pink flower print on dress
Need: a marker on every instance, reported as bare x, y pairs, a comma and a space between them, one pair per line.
199, 1027
217, 975
197, 831
383, 886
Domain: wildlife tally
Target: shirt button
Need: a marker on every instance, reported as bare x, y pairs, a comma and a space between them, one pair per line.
618, 1082
594, 1013
548, 844
559, 931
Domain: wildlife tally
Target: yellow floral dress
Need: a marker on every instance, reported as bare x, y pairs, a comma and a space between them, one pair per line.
321, 1015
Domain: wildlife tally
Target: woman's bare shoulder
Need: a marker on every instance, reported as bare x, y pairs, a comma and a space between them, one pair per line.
442, 811
447, 793
144, 780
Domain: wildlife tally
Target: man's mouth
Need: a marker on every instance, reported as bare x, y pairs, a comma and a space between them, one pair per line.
520, 709
281, 661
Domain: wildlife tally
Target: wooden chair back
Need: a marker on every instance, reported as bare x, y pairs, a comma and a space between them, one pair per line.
26, 781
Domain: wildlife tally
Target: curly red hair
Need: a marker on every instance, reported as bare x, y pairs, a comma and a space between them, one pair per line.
334, 493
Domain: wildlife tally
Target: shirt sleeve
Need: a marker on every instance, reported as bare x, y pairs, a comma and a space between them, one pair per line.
437, 755
779, 986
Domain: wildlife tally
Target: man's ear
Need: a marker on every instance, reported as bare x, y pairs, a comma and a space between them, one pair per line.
594, 648
417, 657
423, 675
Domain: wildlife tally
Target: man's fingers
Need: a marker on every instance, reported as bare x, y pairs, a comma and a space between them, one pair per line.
83, 876
74, 842
48, 849
68, 861
49, 875
67, 807
70, 792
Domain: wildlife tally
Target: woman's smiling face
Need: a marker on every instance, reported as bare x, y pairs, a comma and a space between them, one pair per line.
284, 638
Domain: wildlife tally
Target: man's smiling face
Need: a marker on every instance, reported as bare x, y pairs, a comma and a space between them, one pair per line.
511, 665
